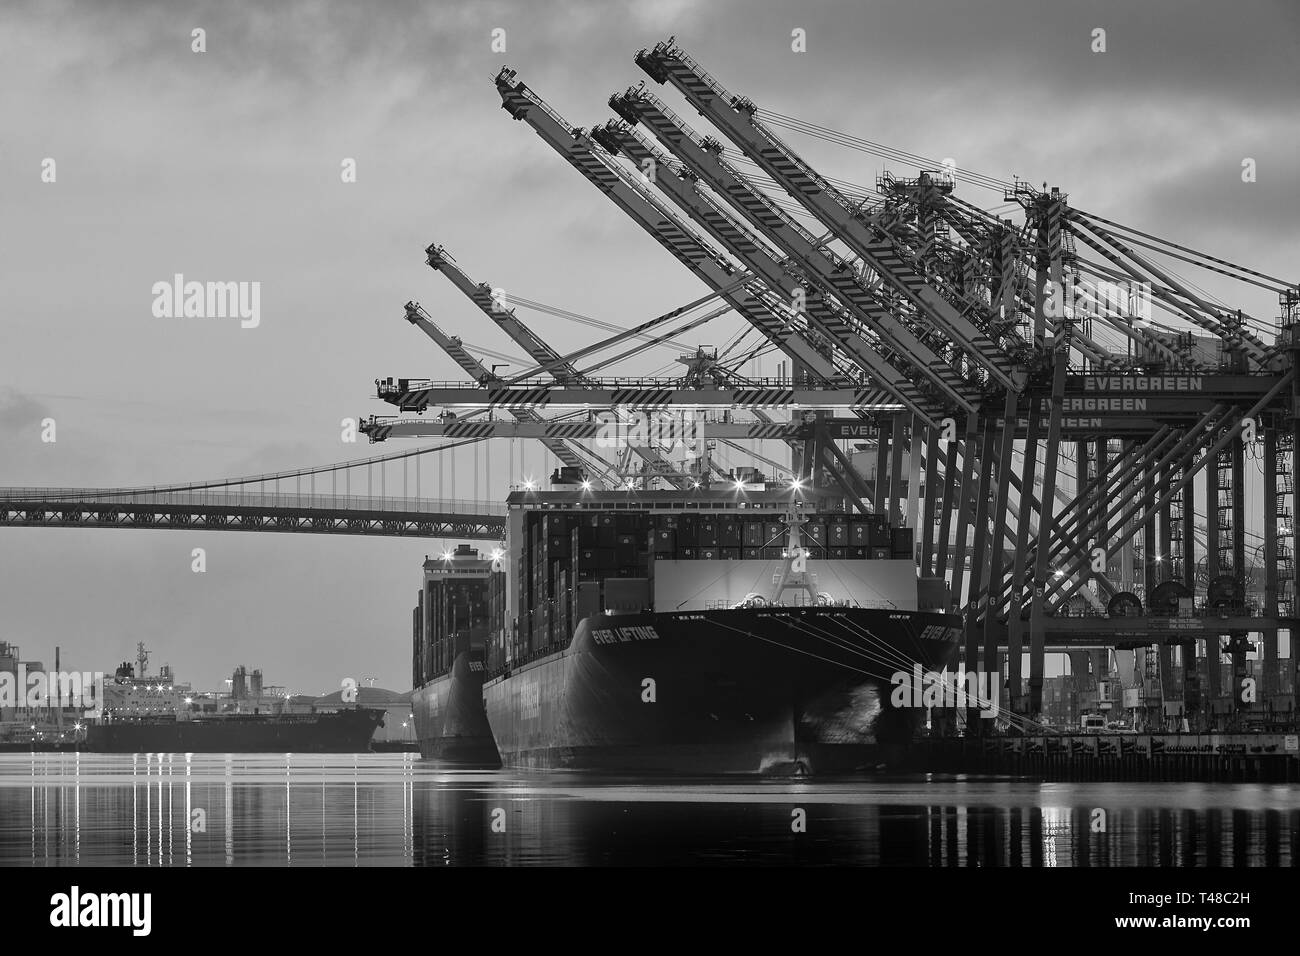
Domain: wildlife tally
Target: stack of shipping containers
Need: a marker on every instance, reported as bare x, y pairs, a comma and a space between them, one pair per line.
453, 613
568, 554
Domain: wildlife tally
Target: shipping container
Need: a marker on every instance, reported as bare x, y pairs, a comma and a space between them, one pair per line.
558, 523
729, 533
626, 549
752, 533
586, 601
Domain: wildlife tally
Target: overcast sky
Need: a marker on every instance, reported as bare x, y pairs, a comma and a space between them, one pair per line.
225, 166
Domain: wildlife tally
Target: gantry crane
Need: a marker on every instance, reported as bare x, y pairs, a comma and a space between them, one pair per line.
554, 364
565, 451
943, 337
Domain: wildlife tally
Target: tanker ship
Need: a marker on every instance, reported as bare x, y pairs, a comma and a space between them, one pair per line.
715, 632
159, 714
346, 730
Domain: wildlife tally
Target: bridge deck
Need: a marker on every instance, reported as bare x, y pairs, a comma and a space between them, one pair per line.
222, 510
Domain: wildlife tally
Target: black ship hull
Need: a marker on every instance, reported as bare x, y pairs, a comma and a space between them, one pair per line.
343, 731
451, 723
775, 690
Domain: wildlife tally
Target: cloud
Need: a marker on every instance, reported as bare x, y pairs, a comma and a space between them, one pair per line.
20, 414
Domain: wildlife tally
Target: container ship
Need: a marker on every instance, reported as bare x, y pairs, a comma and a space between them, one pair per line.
732, 631
450, 627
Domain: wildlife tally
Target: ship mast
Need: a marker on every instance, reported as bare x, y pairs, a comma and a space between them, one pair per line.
794, 574
141, 658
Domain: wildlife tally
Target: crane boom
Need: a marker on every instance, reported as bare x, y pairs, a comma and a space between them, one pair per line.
901, 354
557, 366
735, 117
493, 305
664, 226
564, 451
824, 316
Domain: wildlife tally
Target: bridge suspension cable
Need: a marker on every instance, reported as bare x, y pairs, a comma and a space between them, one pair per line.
86, 493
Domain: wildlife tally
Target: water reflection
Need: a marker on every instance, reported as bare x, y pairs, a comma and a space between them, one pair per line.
311, 810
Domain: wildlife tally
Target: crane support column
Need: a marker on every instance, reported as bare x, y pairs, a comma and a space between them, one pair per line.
928, 519
951, 491
979, 571
996, 571
1037, 623
1269, 689
966, 498
898, 447
1015, 622
914, 441
1213, 568
882, 470
1239, 641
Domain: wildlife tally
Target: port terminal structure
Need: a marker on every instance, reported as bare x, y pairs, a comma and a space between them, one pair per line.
1111, 468
1106, 469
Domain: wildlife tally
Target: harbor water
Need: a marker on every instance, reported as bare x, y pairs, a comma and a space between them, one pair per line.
399, 810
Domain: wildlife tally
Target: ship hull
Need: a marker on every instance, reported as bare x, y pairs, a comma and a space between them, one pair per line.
778, 690
343, 731
451, 723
